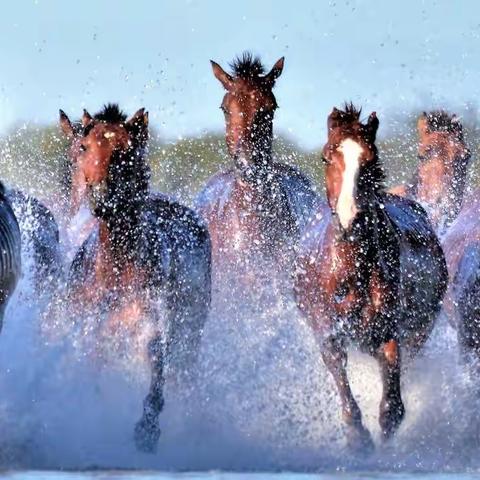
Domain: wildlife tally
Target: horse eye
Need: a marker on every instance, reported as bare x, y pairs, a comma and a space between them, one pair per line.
325, 160
83, 148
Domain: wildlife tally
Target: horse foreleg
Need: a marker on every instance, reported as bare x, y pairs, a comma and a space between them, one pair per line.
147, 430
335, 358
392, 409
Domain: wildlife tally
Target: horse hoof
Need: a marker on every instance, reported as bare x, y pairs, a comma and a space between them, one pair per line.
147, 435
359, 441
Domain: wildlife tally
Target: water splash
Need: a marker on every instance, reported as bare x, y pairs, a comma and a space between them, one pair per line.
262, 399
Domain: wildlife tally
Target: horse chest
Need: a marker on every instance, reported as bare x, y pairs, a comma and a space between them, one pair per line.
119, 294
109, 282
343, 291
250, 220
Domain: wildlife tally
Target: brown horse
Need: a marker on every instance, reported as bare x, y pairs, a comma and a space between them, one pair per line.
370, 270
255, 210
440, 179
440, 186
143, 250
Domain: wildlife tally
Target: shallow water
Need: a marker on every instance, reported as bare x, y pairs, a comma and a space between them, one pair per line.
146, 475
263, 400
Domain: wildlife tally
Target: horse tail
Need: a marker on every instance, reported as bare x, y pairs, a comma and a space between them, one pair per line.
10, 253
466, 297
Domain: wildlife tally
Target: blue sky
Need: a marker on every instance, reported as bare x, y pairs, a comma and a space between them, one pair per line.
392, 57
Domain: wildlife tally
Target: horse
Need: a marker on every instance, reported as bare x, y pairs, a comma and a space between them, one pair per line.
439, 183
40, 239
256, 209
11, 252
440, 186
142, 251
370, 271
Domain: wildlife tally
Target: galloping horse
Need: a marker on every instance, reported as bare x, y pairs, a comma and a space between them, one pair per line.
439, 186
439, 182
256, 210
10, 248
370, 270
142, 250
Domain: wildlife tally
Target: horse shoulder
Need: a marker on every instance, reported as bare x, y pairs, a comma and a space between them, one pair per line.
299, 191
216, 193
179, 221
463, 232
177, 235
313, 264
422, 260
409, 218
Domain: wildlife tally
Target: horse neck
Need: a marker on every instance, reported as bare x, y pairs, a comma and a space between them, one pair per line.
372, 242
258, 154
262, 148
120, 233
119, 244
442, 195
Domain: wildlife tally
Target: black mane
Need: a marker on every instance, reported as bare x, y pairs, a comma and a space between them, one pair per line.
373, 176
351, 112
350, 115
247, 66
441, 121
111, 113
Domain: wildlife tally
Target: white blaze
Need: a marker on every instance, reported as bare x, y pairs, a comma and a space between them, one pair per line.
346, 208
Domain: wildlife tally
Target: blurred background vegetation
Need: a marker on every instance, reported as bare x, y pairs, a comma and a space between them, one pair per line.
33, 158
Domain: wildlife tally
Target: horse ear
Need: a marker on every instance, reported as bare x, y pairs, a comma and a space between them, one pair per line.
275, 72
373, 124
222, 76
87, 119
66, 125
422, 125
457, 125
138, 125
139, 119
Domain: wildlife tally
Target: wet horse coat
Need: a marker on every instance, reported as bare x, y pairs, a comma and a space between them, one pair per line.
440, 185
440, 180
40, 240
10, 248
261, 217
370, 270
144, 249
256, 210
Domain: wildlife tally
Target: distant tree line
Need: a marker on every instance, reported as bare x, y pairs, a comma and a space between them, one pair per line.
33, 158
